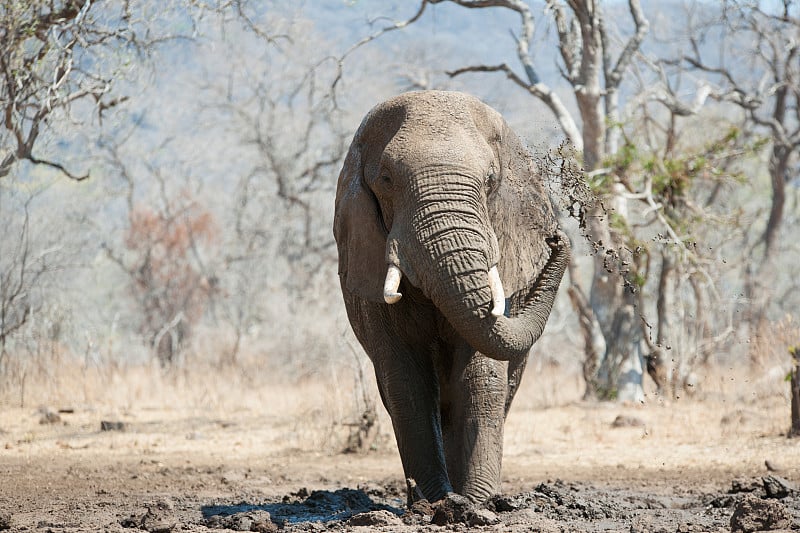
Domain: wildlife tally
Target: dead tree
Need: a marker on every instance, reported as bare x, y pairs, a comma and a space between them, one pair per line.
162, 256
36, 249
280, 105
794, 352
764, 39
45, 47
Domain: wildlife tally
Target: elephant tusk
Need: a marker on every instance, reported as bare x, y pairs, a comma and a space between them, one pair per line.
392, 283
498, 295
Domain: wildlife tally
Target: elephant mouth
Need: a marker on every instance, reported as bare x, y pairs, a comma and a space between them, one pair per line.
394, 275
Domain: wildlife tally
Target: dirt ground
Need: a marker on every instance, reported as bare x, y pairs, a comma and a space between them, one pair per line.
273, 464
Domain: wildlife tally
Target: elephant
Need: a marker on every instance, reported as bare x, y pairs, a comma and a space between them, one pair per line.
439, 213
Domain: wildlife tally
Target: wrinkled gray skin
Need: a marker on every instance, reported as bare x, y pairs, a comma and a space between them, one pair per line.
437, 184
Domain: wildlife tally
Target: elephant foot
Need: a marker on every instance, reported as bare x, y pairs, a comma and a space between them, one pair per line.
455, 508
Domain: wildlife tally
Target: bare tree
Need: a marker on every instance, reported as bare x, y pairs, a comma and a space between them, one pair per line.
66, 64
758, 70
55, 55
28, 257
162, 254
15, 282
277, 104
673, 181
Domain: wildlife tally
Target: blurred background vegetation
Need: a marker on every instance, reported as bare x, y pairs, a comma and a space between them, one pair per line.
167, 174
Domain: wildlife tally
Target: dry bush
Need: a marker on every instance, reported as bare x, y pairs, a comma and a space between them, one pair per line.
166, 281
770, 359
771, 346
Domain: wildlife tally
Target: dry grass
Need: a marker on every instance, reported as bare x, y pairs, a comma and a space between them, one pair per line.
314, 413
300, 413
735, 420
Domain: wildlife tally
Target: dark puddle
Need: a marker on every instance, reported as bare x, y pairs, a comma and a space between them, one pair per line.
318, 506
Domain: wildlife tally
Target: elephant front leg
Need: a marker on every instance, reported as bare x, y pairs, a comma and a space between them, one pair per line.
399, 340
473, 415
411, 396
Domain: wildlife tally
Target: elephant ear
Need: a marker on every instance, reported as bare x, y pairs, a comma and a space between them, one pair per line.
519, 208
358, 231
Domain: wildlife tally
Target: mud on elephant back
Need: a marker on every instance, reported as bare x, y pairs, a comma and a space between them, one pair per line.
450, 256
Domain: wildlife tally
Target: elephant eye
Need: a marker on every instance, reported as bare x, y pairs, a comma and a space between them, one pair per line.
384, 180
491, 182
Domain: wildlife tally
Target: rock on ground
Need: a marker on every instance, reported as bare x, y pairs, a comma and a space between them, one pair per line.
375, 518
753, 514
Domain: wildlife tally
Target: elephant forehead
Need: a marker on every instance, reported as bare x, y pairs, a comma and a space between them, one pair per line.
421, 144
420, 104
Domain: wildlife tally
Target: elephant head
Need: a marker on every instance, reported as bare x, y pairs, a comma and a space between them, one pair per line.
438, 192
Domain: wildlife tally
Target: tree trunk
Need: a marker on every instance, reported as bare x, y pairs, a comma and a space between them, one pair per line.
593, 340
794, 431
619, 370
659, 366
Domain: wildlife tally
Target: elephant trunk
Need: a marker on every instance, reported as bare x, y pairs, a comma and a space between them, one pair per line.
501, 337
460, 282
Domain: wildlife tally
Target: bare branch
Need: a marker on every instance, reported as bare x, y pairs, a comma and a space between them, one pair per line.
54, 54
59, 167
525, 36
698, 64
569, 41
541, 91
369, 38
252, 26
614, 76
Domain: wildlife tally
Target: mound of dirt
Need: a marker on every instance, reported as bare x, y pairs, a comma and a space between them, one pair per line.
254, 520
375, 518
558, 500
753, 514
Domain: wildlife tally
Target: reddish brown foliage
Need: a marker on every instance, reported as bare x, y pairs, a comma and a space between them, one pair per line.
167, 281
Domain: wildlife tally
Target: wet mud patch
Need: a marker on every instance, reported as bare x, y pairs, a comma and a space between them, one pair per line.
560, 506
552, 506
297, 509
